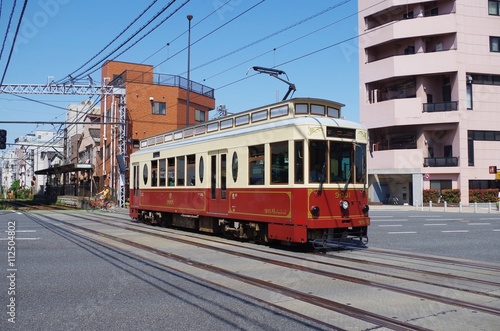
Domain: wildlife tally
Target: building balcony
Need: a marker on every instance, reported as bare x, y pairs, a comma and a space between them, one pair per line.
441, 162
440, 106
422, 26
410, 65
398, 112
407, 159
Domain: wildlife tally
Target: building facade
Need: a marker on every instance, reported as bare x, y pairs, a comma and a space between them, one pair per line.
155, 103
430, 95
33, 151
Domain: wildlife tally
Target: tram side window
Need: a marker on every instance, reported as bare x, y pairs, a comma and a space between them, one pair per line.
256, 165
163, 172
317, 161
279, 163
154, 173
181, 170
299, 162
136, 180
171, 171
191, 172
360, 163
341, 156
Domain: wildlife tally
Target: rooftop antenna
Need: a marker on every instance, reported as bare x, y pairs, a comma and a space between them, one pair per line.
274, 73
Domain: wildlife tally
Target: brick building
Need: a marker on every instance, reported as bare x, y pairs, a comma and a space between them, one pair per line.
154, 103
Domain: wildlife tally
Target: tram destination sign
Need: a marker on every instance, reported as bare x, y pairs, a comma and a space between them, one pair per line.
340, 133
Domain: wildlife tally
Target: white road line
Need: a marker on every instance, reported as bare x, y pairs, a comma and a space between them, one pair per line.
389, 220
419, 216
24, 231
20, 239
389, 225
496, 230
455, 231
435, 224
490, 219
446, 219
478, 223
408, 232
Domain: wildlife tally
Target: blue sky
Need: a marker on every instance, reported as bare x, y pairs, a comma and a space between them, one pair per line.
314, 42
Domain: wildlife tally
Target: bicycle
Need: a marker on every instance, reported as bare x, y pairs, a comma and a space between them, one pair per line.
102, 204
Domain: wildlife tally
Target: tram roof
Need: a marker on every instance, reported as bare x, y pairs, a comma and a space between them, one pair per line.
255, 129
274, 113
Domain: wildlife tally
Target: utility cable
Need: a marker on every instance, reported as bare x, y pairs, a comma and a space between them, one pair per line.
14, 41
127, 40
114, 39
8, 27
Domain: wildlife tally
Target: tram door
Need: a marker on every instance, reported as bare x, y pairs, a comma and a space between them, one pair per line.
218, 169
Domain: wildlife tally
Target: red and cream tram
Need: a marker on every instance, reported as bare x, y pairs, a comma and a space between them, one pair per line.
292, 172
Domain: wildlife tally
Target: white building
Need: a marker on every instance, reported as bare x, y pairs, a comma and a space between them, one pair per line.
33, 152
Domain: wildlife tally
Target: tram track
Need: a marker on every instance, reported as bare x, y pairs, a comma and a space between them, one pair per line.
375, 319
305, 297
137, 227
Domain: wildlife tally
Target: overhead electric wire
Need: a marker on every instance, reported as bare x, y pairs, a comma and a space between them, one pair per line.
273, 34
194, 25
146, 34
86, 71
291, 60
14, 40
114, 39
8, 27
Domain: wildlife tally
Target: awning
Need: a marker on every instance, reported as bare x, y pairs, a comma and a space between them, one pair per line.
73, 167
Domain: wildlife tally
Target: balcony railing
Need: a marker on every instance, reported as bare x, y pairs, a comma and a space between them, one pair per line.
441, 162
440, 106
162, 79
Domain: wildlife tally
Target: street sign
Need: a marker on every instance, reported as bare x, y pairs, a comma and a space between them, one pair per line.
493, 170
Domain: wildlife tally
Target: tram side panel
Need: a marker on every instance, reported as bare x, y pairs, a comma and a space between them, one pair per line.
293, 212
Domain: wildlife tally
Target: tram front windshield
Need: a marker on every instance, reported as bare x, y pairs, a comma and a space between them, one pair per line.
337, 162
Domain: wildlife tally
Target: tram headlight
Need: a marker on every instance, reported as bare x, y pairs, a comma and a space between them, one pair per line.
366, 208
315, 211
344, 204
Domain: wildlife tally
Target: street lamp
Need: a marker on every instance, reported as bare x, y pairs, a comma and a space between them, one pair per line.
189, 17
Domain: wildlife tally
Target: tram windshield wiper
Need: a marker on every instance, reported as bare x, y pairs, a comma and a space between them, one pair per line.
347, 181
322, 178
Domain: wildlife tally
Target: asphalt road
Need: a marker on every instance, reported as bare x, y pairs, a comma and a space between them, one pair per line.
64, 281
473, 236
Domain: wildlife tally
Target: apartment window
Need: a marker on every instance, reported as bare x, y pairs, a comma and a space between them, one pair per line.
199, 115
494, 7
494, 44
478, 135
159, 108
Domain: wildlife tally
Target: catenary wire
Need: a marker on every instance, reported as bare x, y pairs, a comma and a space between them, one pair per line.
14, 41
114, 39
104, 58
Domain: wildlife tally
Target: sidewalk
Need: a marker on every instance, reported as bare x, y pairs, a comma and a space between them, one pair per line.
484, 208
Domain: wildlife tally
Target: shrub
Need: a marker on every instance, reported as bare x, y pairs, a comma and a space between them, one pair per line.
430, 195
451, 196
487, 195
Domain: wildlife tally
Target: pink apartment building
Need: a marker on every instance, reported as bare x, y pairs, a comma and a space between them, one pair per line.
430, 95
